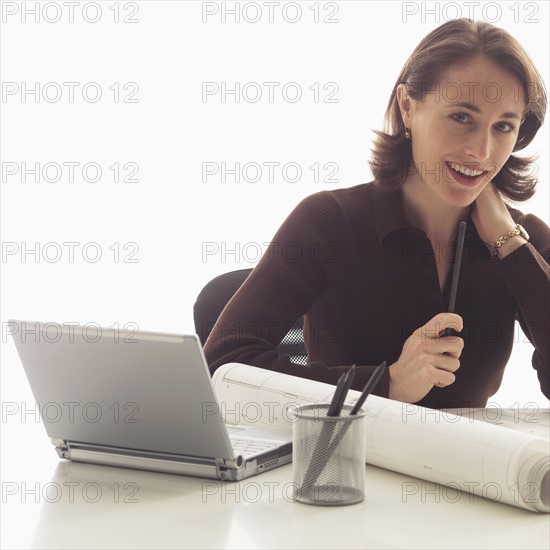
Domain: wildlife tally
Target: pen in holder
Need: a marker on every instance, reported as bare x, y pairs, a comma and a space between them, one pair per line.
329, 470
329, 446
344, 384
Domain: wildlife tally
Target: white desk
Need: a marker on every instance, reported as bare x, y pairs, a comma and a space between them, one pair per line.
183, 512
168, 511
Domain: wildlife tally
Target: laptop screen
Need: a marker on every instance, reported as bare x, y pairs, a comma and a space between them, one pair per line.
135, 390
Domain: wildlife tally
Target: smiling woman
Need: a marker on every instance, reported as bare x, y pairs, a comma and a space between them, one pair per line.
465, 101
425, 77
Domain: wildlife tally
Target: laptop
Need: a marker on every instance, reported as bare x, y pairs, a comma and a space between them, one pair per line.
138, 399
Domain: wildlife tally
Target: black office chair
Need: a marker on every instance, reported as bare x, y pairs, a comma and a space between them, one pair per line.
215, 295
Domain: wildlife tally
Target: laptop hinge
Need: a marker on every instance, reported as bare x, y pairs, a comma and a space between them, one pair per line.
141, 460
61, 447
220, 468
230, 468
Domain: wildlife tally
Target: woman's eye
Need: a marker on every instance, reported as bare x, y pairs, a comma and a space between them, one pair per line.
505, 127
460, 117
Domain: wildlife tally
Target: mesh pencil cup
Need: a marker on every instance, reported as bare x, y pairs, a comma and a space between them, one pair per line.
328, 456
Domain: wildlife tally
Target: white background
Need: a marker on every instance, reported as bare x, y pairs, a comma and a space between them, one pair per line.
172, 214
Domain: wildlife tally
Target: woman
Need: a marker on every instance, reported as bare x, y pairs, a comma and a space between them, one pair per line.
369, 266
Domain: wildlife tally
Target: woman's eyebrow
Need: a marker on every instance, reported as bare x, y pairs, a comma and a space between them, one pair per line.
476, 109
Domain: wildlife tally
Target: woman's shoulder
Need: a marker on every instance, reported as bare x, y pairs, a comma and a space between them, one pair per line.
341, 198
351, 192
329, 212
528, 219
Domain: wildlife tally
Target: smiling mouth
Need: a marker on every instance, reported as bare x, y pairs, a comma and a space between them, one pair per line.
464, 175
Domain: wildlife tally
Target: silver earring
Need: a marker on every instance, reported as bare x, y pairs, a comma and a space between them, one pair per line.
407, 133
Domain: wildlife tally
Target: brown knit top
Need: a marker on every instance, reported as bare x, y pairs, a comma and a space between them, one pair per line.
365, 279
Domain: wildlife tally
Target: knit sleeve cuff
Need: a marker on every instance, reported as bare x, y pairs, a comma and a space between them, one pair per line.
526, 273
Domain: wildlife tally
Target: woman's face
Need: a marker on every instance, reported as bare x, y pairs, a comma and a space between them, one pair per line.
469, 124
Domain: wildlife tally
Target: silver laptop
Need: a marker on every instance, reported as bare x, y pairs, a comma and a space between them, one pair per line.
138, 400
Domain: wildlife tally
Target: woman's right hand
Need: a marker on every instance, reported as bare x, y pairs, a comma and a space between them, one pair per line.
428, 359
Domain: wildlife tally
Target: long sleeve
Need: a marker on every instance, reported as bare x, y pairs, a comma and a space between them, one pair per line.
527, 273
303, 257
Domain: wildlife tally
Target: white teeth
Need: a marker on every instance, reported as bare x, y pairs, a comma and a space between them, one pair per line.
465, 171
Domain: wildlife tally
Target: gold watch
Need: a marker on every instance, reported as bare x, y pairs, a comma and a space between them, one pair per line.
518, 230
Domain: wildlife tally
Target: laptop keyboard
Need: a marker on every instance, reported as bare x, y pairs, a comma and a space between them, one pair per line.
250, 446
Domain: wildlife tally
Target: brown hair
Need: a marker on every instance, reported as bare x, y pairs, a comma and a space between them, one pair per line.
452, 42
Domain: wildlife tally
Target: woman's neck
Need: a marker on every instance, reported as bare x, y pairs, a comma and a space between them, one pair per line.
425, 210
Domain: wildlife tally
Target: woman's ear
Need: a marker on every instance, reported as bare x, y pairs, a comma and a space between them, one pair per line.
404, 102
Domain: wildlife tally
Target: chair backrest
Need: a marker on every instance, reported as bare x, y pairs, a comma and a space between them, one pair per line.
215, 295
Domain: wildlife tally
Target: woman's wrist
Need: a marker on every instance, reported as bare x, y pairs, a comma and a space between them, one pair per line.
393, 391
511, 245
391, 386
505, 241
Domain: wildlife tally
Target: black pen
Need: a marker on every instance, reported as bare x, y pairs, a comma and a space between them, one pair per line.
342, 388
315, 465
456, 269
371, 383
373, 380
456, 273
